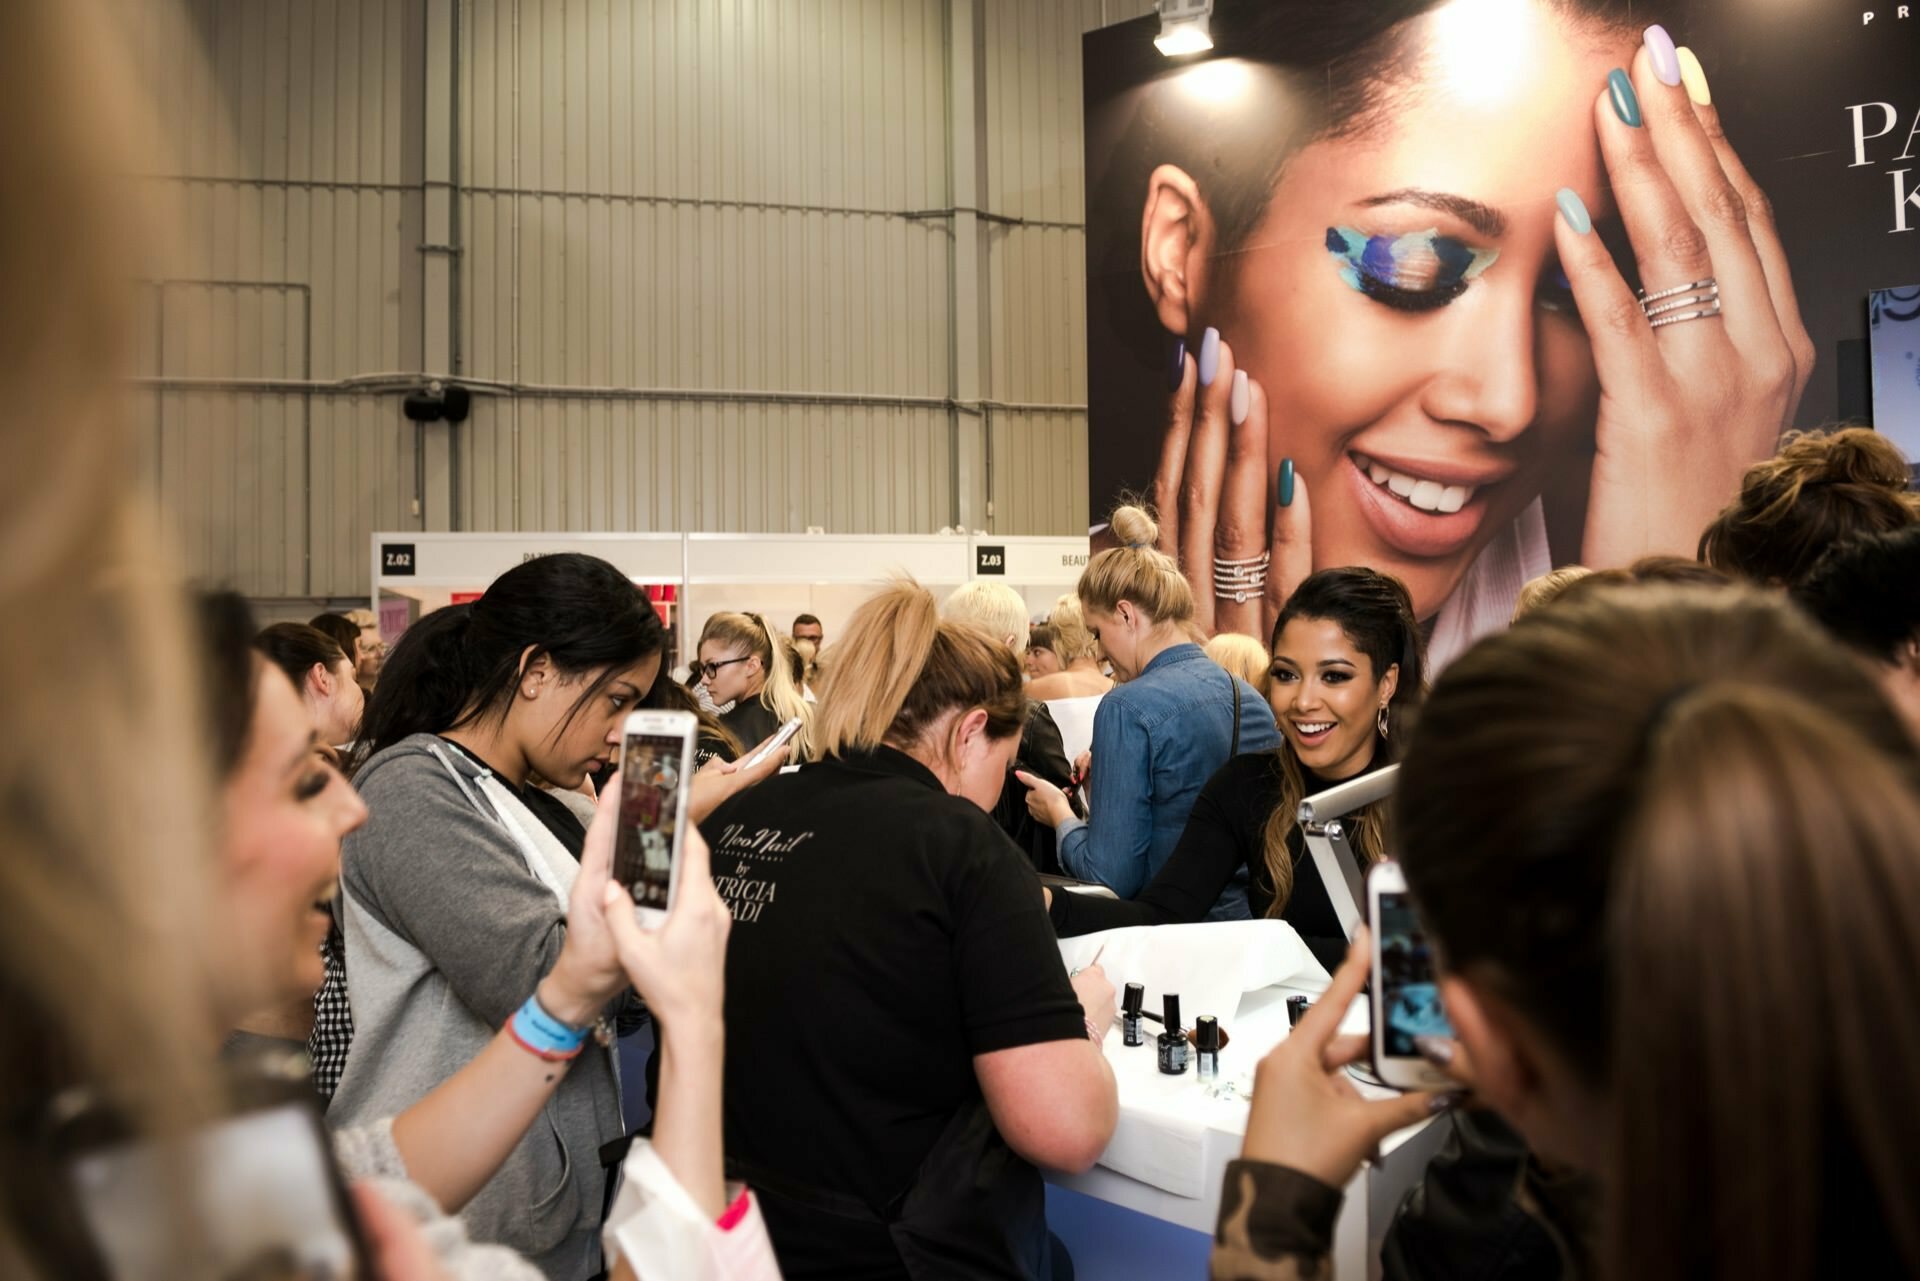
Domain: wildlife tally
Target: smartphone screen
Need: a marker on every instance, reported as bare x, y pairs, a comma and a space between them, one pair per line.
259, 1191
651, 777
1409, 994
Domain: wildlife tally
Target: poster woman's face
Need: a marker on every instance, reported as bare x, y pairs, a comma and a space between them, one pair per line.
1403, 307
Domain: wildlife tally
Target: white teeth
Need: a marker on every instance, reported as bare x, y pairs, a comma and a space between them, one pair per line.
1426, 495
1315, 728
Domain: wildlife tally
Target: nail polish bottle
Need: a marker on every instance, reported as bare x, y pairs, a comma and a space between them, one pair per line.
1130, 1014
1206, 1036
1296, 1008
1173, 1042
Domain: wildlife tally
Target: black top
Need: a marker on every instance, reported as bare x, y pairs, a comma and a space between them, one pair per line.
751, 722
1226, 832
1041, 754
885, 933
544, 805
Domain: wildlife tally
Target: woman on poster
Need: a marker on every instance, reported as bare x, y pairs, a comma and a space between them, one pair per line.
1374, 241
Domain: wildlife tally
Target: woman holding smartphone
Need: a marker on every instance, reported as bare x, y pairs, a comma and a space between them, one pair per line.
744, 662
1702, 821
454, 894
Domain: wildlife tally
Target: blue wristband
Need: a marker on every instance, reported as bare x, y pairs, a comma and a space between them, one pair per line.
545, 1035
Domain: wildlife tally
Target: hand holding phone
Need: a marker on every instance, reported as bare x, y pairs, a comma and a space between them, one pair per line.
1306, 1114
780, 739
656, 771
1406, 989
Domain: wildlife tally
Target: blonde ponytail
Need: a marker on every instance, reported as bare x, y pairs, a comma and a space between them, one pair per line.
897, 669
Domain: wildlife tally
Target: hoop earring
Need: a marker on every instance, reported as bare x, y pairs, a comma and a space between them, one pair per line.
1380, 721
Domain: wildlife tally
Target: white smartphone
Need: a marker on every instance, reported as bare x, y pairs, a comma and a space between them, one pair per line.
1405, 989
780, 739
656, 769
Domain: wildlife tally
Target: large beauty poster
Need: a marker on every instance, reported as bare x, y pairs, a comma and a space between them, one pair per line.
1362, 280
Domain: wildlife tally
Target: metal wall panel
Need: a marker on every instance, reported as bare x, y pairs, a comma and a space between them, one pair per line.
706, 240
1038, 464
286, 141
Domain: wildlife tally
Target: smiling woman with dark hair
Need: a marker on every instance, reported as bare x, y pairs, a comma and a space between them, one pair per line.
1380, 226
1347, 669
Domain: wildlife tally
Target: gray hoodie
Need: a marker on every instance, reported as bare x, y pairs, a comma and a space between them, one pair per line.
447, 933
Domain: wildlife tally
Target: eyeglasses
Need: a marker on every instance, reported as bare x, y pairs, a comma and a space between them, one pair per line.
710, 670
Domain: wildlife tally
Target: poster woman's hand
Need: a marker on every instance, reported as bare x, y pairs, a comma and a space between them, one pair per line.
1214, 499
1685, 406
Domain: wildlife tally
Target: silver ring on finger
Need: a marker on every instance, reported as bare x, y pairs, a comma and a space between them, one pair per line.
1240, 581
1695, 300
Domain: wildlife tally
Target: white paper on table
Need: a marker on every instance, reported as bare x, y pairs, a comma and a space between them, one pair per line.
1161, 1138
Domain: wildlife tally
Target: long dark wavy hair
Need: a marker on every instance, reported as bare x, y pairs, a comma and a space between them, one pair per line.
459, 665
1376, 614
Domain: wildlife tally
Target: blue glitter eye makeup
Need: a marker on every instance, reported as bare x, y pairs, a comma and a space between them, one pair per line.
1418, 271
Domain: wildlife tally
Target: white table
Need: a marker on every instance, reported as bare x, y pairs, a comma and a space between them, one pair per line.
1261, 1023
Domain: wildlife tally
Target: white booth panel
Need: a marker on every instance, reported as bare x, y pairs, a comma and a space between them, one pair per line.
812, 558
1040, 569
468, 562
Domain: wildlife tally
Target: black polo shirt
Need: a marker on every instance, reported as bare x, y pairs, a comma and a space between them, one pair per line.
885, 933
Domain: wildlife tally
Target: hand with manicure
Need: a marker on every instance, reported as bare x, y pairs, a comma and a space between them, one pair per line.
1241, 536
1697, 385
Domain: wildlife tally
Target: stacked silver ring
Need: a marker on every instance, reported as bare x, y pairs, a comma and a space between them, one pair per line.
1241, 580
1695, 300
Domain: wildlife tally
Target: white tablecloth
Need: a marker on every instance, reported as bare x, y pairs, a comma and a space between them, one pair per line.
1231, 970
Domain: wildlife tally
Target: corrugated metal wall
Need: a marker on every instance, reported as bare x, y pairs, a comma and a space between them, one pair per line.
704, 239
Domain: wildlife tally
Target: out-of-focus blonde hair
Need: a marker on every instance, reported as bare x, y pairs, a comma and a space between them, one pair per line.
1245, 657
994, 607
1545, 589
105, 881
1071, 639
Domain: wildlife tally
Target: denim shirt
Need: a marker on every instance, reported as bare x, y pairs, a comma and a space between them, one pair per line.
1157, 739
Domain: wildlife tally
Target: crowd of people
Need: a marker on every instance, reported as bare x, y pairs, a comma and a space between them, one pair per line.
1663, 833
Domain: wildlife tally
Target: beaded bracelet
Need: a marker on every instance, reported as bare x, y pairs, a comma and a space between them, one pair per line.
538, 1032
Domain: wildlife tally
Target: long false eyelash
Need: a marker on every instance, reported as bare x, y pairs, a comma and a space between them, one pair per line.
1414, 300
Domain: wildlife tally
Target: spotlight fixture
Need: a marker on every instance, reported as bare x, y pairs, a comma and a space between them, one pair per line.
1184, 27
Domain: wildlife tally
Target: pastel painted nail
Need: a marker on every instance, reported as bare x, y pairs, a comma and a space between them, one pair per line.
1286, 482
1177, 371
1237, 405
1209, 356
1574, 210
1660, 51
1694, 77
1625, 104
1437, 1050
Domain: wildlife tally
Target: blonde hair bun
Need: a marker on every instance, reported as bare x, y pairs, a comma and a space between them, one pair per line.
1135, 527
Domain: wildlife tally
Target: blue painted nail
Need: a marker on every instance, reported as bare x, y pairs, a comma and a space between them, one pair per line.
1574, 210
1209, 356
1177, 373
1625, 104
1286, 482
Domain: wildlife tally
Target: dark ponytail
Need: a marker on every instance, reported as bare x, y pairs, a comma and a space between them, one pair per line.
459, 665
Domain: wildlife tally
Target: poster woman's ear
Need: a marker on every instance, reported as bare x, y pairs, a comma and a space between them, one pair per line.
1176, 238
